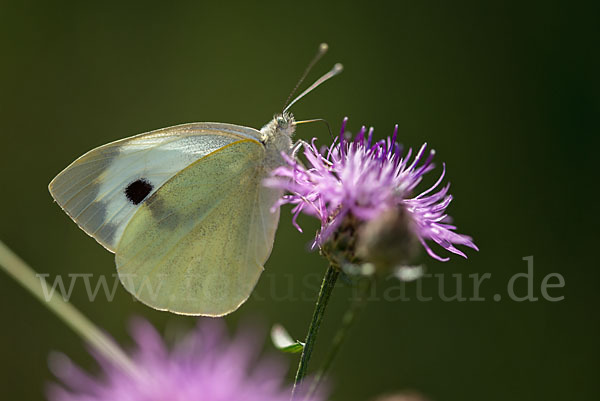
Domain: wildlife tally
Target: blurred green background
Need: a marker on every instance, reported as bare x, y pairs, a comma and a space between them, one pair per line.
506, 92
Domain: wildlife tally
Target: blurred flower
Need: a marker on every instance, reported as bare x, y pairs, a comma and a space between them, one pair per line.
205, 366
354, 182
405, 396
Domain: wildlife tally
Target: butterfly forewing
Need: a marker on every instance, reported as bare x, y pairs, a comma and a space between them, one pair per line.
103, 189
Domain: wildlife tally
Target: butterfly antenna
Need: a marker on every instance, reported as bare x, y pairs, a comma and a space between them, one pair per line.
332, 73
323, 47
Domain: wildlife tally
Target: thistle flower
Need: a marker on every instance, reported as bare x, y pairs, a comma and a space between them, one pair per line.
358, 181
205, 366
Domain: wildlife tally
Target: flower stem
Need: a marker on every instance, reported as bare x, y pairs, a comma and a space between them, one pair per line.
327, 286
25, 276
356, 306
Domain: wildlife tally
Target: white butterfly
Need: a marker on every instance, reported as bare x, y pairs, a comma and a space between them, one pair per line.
183, 209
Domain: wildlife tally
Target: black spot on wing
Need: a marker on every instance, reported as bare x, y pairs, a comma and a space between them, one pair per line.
138, 190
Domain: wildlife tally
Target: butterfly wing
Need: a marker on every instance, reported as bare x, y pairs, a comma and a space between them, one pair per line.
197, 246
103, 189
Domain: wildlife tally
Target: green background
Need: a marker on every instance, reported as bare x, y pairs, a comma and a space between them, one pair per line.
506, 92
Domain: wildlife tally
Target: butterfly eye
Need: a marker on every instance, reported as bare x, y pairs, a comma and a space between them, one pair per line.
281, 122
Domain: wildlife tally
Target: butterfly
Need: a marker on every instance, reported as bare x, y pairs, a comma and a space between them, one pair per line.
184, 209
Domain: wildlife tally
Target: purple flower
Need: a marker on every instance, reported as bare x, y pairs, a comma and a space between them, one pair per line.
205, 366
363, 179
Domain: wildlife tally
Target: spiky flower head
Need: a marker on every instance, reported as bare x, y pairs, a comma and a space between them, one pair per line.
362, 181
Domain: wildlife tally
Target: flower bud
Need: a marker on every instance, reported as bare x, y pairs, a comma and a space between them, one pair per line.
388, 240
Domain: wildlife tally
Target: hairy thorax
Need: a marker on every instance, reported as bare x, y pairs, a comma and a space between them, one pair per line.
277, 138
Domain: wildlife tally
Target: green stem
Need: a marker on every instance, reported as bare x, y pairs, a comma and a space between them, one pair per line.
356, 306
326, 288
25, 276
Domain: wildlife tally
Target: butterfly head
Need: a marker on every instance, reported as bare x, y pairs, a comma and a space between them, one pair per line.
277, 134
277, 137
281, 126
285, 124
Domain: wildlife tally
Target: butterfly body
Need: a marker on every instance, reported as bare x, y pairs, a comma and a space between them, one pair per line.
183, 209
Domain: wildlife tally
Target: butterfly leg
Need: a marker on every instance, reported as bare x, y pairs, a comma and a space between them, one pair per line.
297, 146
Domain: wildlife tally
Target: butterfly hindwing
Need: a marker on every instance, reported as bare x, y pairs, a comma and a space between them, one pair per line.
197, 246
103, 189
